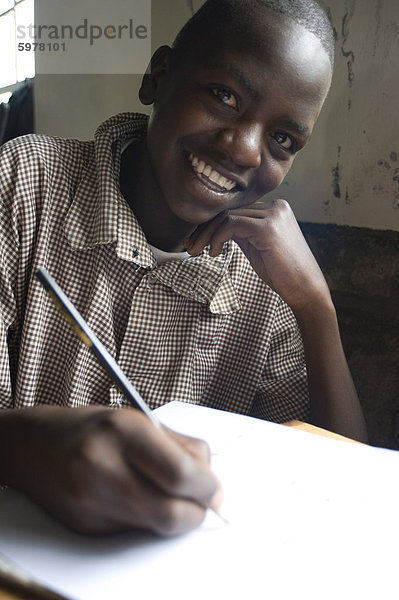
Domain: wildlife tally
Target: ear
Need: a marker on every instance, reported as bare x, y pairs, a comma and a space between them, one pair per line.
156, 70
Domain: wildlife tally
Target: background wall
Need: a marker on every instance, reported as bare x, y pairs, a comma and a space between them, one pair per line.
74, 105
350, 175
344, 187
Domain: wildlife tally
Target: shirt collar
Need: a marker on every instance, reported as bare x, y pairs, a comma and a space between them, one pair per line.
100, 215
203, 278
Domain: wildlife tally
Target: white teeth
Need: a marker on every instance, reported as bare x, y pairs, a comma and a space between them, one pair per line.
199, 166
216, 177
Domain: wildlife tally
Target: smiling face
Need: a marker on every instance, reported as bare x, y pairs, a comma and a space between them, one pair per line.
229, 119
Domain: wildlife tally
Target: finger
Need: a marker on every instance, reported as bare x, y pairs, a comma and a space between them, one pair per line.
198, 448
272, 207
164, 461
235, 228
257, 206
141, 504
201, 236
151, 508
167, 516
209, 234
256, 212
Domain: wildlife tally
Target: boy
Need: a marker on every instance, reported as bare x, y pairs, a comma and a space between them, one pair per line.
233, 101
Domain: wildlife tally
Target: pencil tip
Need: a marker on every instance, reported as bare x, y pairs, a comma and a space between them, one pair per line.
222, 517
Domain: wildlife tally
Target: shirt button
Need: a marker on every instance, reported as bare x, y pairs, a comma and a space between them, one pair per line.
151, 279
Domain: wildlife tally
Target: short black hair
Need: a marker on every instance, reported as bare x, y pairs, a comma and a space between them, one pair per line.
217, 13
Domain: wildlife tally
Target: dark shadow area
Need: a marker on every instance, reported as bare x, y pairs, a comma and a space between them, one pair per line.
362, 269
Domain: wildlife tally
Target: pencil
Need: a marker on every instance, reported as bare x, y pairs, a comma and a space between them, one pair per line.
20, 585
88, 337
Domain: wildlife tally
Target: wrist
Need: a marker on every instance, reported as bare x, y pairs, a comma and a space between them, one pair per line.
319, 312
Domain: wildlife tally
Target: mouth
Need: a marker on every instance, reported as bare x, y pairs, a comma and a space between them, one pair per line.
211, 178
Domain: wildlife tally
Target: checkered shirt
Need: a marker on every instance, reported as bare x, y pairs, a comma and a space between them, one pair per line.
202, 330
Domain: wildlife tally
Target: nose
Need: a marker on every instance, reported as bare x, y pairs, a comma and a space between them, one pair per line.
243, 143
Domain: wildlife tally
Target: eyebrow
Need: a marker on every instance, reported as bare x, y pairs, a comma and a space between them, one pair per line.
288, 123
237, 74
293, 125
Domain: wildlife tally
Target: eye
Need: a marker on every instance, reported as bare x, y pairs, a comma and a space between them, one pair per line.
225, 97
284, 140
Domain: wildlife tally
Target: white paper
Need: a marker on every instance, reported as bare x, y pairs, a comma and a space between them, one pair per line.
309, 517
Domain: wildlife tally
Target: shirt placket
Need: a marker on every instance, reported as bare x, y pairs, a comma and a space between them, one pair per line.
158, 347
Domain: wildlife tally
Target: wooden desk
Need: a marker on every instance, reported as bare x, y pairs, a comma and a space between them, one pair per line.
25, 592
9, 593
319, 431
26, 595
31, 595
9, 596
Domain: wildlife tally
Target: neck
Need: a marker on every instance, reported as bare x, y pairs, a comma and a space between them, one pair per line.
140, 190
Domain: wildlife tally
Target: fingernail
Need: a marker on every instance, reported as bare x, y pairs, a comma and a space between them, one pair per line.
216, 500
216, 504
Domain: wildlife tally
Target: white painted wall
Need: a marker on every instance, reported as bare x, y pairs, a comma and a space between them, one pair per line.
349, 174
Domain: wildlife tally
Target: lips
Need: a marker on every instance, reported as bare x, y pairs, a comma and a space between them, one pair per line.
210, 177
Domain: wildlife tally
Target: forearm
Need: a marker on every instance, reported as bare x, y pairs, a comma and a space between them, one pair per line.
270, 237
334, 403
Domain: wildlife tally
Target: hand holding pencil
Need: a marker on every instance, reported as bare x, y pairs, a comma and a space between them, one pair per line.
100, 471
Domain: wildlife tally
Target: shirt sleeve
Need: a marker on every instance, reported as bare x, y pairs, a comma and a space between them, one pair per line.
283, 392
9, 259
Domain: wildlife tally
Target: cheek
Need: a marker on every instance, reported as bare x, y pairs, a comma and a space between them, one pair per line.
271, 175
168, 130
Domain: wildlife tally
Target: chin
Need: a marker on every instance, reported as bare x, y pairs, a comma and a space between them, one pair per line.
194, 215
